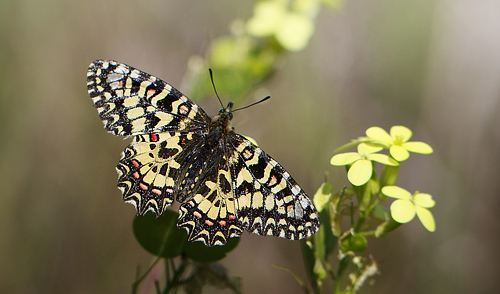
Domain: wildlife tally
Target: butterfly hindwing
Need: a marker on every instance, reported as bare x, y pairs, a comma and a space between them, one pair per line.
210, 215
132, 102
268, 200
149, 170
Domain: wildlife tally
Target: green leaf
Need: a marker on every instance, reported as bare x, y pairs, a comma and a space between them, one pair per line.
381, 213
324, 239
309, 258
197, 251
160, 236
322, 196
336, 215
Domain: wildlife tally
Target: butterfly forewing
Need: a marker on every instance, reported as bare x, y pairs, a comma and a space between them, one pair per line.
132, 102
224, 183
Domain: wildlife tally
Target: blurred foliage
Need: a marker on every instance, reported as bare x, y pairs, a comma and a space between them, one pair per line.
250, 55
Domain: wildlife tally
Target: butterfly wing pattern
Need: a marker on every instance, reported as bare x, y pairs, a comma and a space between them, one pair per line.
225, 184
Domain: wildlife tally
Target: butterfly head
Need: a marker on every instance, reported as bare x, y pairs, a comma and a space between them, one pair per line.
227, 111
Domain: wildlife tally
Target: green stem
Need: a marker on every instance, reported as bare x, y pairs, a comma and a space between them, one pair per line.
369, 233
342, 266
175, 281
135, 285
364, 214
361, 220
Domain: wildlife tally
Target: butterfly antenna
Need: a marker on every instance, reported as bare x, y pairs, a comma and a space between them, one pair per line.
213, 85
262, 100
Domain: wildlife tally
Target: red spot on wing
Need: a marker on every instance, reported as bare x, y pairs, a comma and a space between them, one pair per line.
209, 222
143, 187
231, 216
197, 214
222, 223
156, 191
135, 163
150, 93
135, 175
153, 137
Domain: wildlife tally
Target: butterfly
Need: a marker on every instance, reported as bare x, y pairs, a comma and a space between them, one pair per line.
224, 183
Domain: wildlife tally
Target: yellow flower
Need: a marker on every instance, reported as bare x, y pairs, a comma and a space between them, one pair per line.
362, 169
397, 142
404, 209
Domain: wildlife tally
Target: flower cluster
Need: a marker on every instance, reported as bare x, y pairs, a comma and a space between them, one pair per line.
360, 165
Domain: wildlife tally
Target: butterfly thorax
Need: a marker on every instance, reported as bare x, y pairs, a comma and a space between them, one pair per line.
220, 126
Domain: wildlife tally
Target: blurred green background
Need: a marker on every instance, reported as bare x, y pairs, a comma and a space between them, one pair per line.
431, 65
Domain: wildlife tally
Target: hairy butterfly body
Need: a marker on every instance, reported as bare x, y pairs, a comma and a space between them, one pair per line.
225, 184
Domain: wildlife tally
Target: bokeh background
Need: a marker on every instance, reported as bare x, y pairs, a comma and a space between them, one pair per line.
431, 65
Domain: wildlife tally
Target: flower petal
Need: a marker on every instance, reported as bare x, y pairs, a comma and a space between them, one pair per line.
399, 153
401, 131
384, 159
402, 211
367, 149
424, 200
396, 192
345, 158
426, 218
418, 147
377, 133
360, 172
